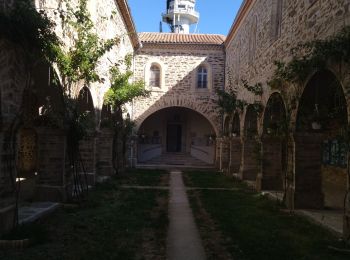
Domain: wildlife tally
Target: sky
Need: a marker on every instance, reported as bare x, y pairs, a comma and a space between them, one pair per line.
216, 16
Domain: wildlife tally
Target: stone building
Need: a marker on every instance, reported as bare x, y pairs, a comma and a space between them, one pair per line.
180, 121
310, 163
182, 72
36, 154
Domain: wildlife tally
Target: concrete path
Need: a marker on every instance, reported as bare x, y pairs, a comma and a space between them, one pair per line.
32, 212
184, 242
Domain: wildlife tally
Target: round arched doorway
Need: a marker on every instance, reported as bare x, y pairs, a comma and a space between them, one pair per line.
274, 144
320, 146
176, 135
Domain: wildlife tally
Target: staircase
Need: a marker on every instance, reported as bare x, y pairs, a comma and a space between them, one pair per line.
184, 160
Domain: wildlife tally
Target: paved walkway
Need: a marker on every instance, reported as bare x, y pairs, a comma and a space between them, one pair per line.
33, 211
184, 242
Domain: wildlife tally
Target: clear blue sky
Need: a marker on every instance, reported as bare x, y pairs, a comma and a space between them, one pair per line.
216, 16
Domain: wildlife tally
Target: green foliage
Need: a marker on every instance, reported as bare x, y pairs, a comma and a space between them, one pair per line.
78, 61
241, 104
122, 90
257, 89
226, 101
33, 31
258, 107
315, 55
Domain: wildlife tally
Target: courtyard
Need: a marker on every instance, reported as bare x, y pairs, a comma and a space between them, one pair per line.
127, 218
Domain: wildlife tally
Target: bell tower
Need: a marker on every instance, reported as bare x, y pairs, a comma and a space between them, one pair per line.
180, 14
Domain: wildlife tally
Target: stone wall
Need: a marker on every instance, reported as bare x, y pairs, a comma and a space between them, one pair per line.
301, 22
178, 65
254, 44
109, 24
53, 173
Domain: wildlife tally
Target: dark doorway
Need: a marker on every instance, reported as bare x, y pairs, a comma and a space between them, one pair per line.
174, 138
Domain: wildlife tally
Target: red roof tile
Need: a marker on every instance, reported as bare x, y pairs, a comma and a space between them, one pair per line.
178, 38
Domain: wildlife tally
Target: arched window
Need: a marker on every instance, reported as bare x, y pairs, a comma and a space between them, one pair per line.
202, 77
154, 79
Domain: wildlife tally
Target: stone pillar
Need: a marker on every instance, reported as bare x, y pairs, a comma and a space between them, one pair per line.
7, 203
272, 170
308, 175
289, 179
251, 161
235, 154
87, 149
104, 153
132, 152
225, 155
218, 153
346, 220
53, 184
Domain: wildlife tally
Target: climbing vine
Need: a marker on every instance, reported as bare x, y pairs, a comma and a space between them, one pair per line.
311, 56
226, 101
257, 89
32, 31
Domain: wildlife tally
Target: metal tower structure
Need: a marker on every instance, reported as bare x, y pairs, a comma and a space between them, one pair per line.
180, 15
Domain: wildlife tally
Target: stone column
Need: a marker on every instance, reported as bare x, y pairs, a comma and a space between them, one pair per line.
7, 201
87, 149
235, 154
104, 152
251, 161
218, 153
272, 170
225, 155
308, 175
346, 218
53, 182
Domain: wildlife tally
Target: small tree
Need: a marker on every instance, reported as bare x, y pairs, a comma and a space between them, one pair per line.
121, 92
77, 63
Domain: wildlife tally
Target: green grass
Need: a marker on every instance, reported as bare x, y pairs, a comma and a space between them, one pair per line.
113, 224
144, 177
254, 227
204, 179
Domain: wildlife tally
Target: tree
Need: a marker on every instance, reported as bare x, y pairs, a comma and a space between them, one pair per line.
122, 91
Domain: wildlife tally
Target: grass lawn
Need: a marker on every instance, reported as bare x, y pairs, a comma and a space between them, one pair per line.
246, 225
114, 223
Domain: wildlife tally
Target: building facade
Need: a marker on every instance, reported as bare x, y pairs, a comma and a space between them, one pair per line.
182, 72
284, 138
308, 162
36, 154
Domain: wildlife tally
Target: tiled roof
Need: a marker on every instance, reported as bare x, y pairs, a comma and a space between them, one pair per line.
178, 38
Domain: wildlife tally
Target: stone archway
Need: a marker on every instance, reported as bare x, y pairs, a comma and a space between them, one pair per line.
206, 108
275, 127
235, 145
176, 130
320, 150
251, 150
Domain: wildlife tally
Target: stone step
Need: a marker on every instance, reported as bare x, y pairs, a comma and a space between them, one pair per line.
176, 159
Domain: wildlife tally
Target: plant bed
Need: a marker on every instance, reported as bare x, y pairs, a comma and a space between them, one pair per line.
113, 223
253, 227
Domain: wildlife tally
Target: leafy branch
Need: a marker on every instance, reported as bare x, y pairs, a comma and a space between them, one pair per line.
257, 89
79, 63
122, 89
311, 56
226, 101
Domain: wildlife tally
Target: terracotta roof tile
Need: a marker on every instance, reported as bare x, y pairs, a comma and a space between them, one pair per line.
177, 38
